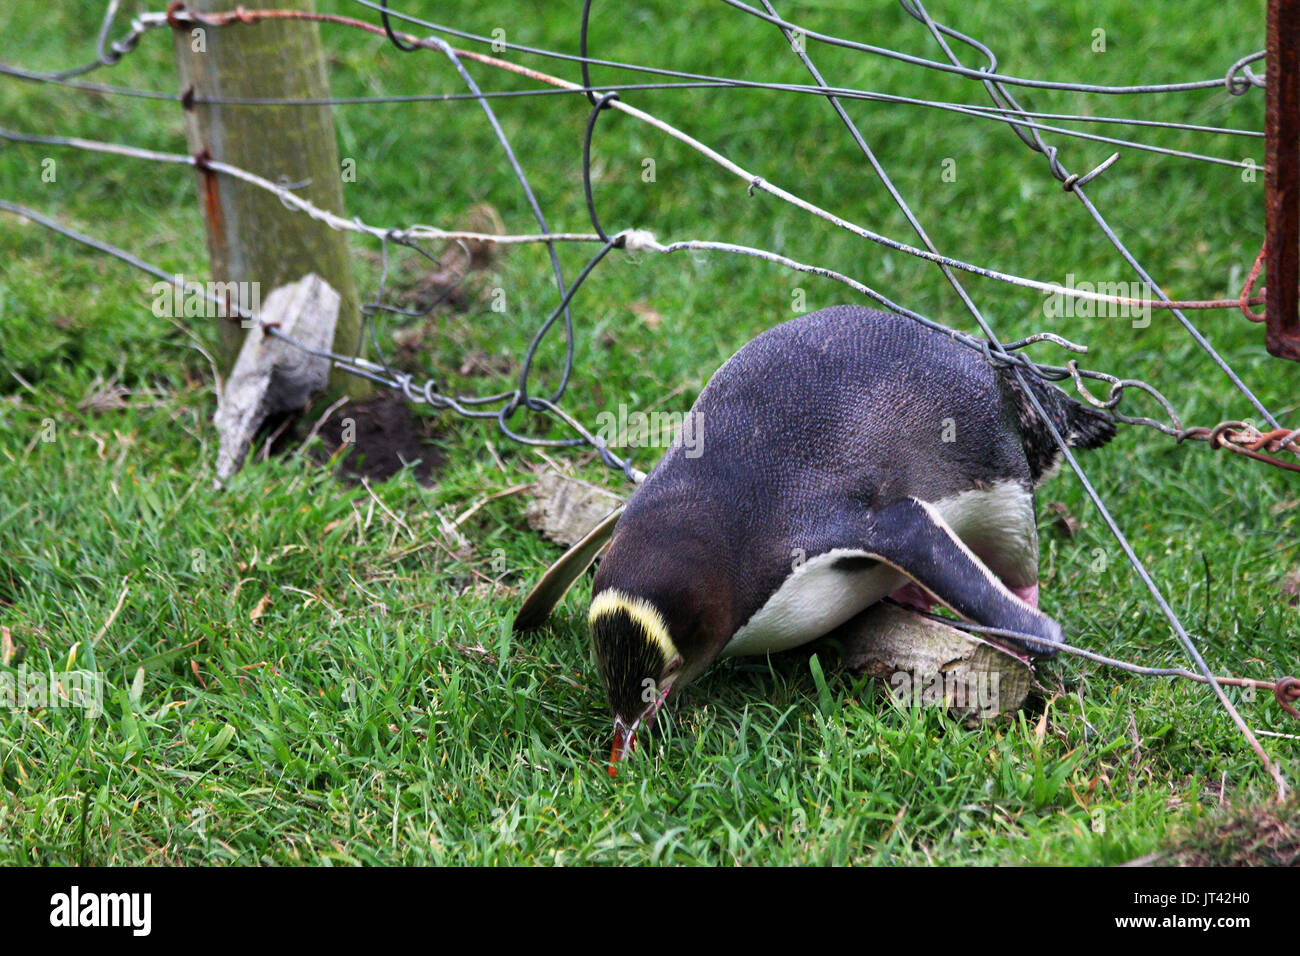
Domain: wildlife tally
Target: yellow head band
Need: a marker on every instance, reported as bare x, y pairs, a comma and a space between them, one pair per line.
639, 610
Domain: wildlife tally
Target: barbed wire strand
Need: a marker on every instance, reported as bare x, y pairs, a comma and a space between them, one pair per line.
1239, 77
428, 232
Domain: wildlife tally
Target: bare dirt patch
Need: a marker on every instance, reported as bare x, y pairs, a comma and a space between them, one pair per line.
385, 436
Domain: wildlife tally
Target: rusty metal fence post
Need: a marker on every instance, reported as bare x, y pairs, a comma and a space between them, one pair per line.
1282, 202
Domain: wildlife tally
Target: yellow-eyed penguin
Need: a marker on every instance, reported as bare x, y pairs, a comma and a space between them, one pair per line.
840, 458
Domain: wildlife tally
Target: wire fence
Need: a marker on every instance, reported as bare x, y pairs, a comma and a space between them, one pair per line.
1276, 446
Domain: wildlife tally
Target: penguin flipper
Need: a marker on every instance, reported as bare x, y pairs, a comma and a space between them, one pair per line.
559, 577
912, 536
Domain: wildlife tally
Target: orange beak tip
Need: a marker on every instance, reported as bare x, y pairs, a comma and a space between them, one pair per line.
623, 742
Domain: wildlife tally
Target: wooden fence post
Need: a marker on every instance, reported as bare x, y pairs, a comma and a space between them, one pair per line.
252, 236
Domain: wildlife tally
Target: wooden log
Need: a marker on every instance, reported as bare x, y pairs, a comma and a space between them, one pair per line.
923, 662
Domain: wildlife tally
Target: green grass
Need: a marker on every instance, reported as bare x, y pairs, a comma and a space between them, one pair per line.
294, 677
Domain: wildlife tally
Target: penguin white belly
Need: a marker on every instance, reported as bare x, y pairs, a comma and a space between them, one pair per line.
997, 522
814, 600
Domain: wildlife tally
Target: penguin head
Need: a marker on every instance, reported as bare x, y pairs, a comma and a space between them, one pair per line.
638, 660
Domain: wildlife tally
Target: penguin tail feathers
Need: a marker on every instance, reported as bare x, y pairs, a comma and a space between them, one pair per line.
1080, 425
1089, 427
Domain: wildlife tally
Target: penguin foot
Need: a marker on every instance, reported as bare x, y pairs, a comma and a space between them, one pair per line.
1027, 594
915, 596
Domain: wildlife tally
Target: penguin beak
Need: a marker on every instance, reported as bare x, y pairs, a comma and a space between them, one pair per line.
624, 740
625, 736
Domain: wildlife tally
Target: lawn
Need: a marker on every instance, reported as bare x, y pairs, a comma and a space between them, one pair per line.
301, 669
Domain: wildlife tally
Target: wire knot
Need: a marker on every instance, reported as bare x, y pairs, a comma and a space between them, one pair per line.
174, 11
638, 240
1286, 692
1241, 77
1074, 180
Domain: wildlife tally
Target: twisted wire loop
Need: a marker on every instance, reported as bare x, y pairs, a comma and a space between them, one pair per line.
1246, 300
1287, 692
107, 54
1241, 78
1245, 439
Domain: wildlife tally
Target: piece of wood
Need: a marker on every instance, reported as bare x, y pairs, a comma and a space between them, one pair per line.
271, 375
565, 509
252, 236
923, 662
